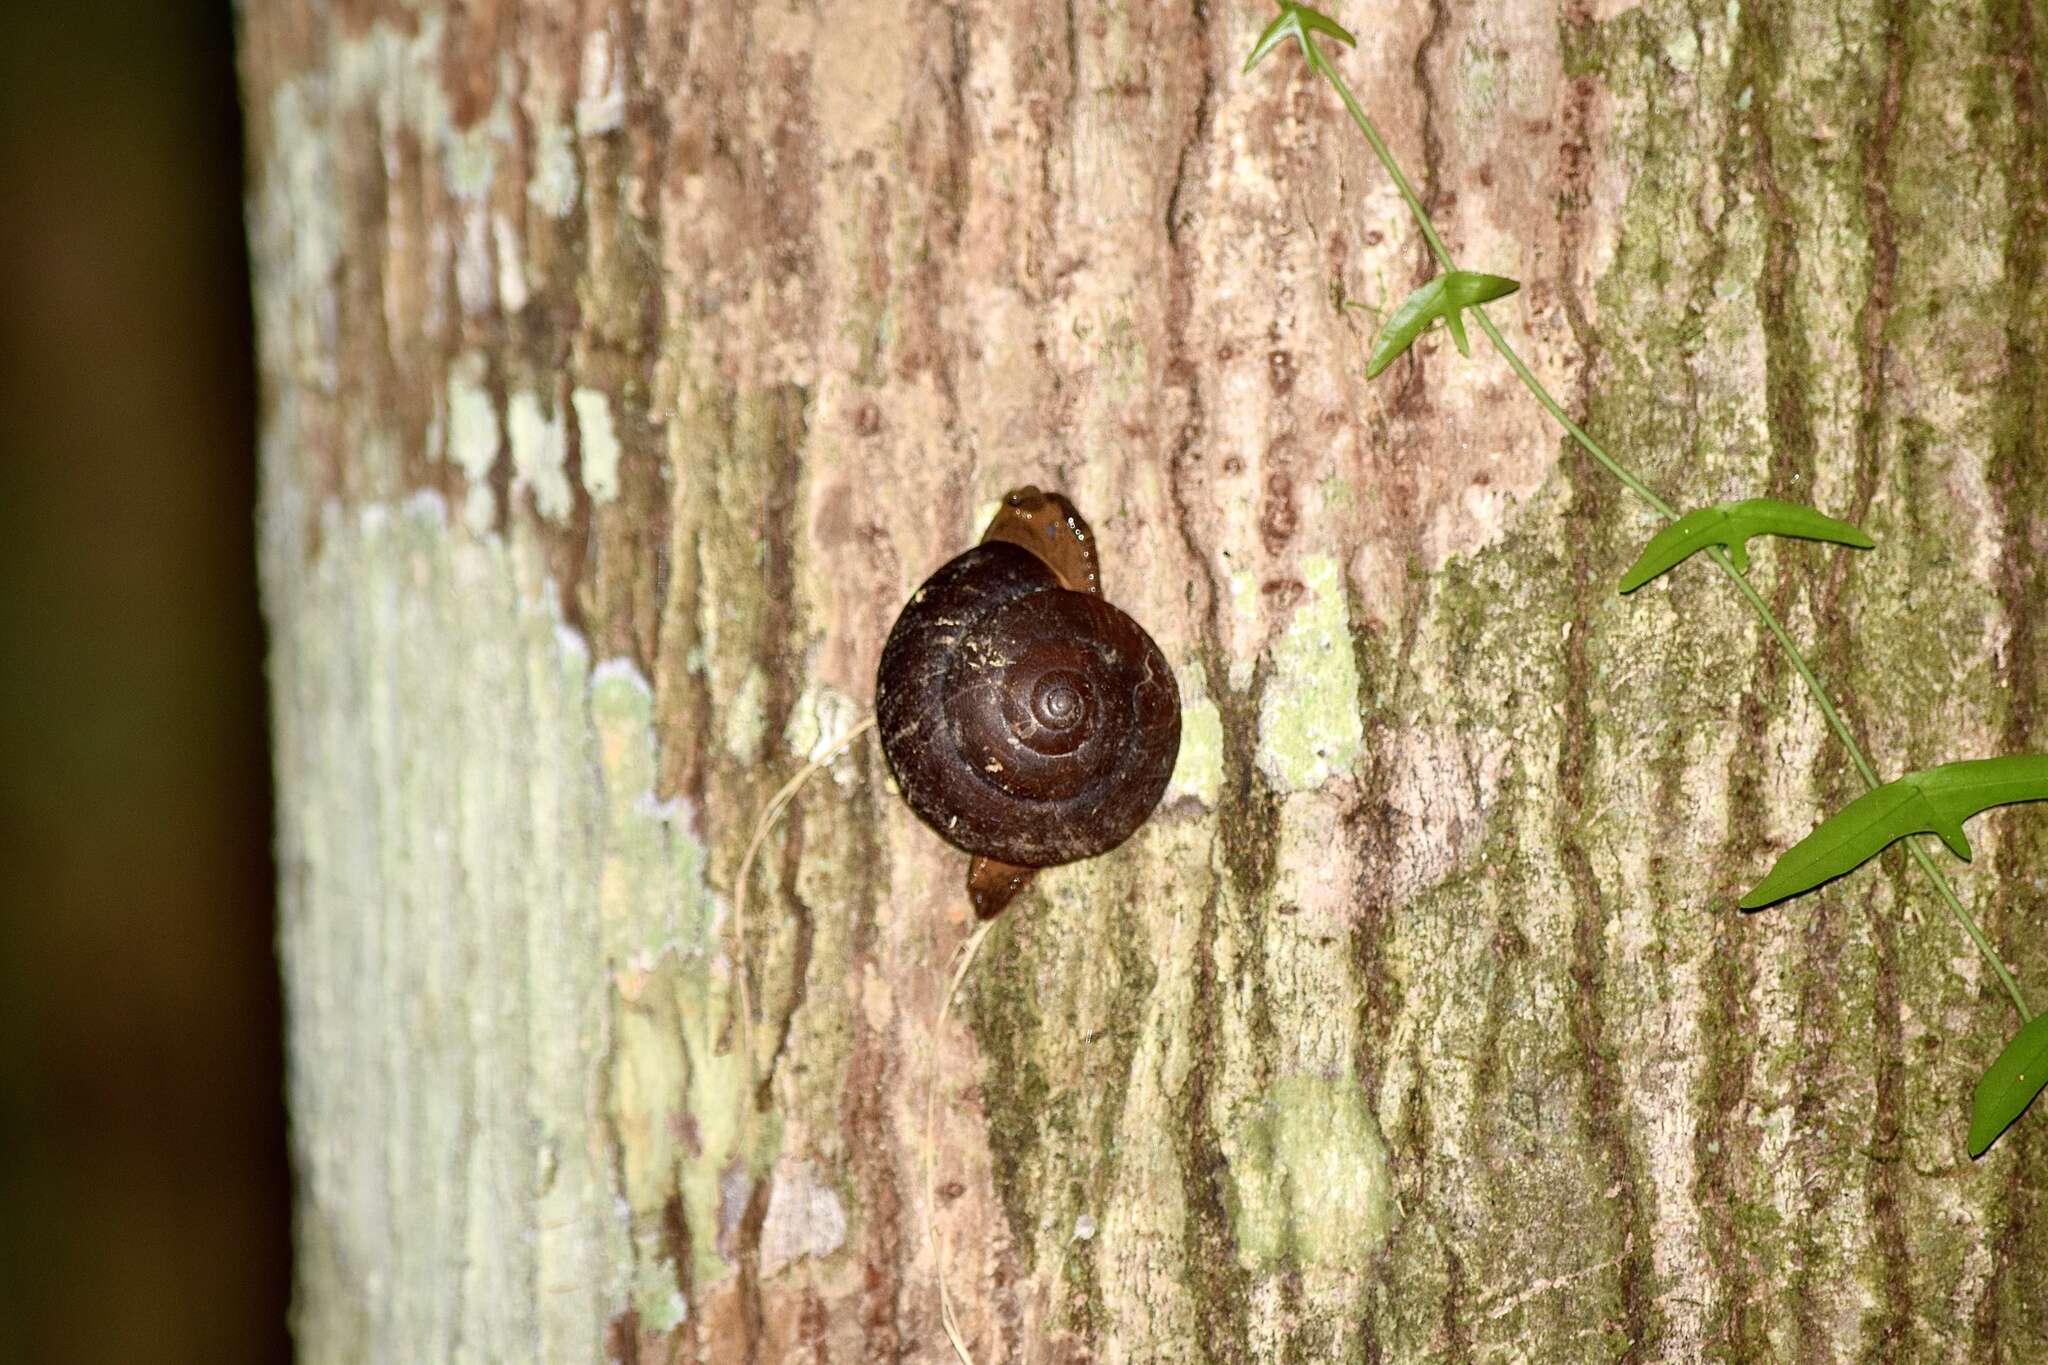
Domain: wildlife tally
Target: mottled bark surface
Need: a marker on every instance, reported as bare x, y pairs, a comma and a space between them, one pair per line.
626, 366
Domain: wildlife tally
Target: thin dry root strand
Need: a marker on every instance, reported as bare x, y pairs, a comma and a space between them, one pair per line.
771, 814
965, 955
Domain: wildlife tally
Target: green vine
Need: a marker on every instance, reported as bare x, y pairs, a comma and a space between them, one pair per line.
1935, 800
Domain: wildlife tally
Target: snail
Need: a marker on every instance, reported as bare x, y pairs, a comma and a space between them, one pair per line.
1024, 718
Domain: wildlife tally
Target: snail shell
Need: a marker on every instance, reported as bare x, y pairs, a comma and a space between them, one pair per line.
1026, 719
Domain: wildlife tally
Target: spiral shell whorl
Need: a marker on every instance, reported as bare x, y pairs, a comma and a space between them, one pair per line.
1023, 721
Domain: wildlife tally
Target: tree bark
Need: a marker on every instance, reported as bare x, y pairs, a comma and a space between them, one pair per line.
628, 364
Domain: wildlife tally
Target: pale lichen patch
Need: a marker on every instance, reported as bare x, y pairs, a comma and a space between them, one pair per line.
473, 438
1309, 1181
805, 1217
473, 433
599, 441
540, 454
1309, 727
555, 182
463, 1134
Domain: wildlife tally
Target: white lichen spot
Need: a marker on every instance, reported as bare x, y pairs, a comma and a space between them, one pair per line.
1309, 727
602, 107
473, 434
555, 182
1244, 606
820, 718
599, 441
1084, 1227
476, 276
511, 253
805, 1218
540, 454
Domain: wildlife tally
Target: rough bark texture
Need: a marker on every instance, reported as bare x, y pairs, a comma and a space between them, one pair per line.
628, 363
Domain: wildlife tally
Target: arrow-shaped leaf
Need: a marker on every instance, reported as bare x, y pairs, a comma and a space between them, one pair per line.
1296, 22
1732, 524
1932, 801
2010, 1085
1444, 297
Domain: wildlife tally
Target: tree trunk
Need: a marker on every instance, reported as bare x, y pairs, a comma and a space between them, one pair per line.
628, 365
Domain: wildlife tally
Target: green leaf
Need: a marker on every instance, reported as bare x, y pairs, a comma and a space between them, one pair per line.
1296, 22
2010, 1085
1932, 801
1443, 297
1732, 524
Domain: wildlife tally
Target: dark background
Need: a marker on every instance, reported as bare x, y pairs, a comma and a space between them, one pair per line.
143, 1187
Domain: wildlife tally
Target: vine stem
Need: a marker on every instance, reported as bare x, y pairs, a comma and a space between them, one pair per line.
1647, 495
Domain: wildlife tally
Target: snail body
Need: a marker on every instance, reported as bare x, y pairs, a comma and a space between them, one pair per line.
1026, 719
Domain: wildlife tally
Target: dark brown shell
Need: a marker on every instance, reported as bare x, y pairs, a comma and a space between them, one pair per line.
1024, 722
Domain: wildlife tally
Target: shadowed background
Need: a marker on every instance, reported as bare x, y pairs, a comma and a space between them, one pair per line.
143, 1197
